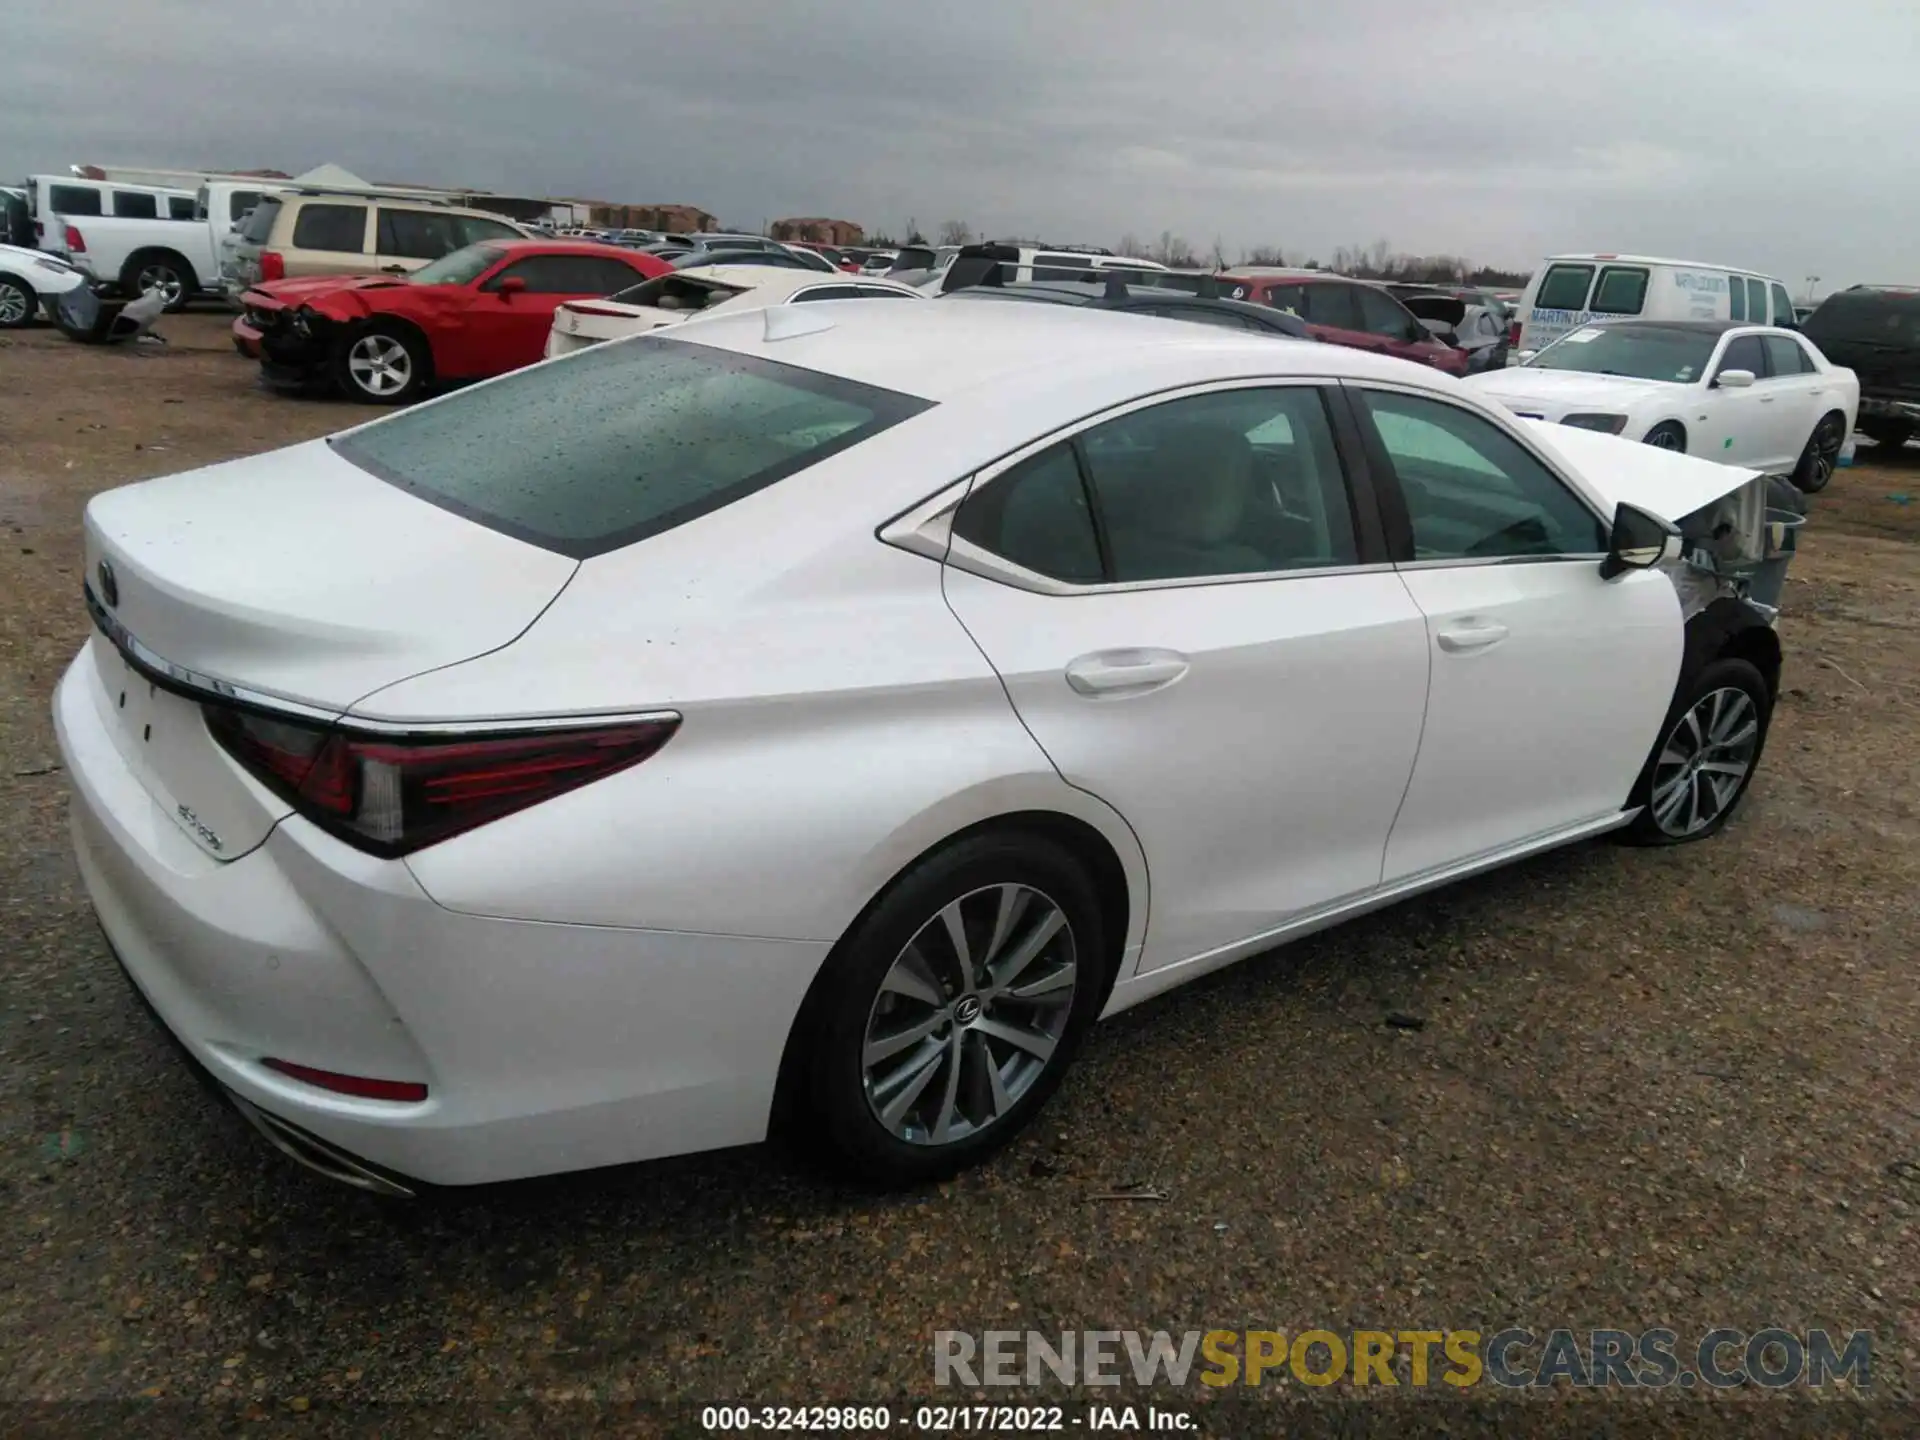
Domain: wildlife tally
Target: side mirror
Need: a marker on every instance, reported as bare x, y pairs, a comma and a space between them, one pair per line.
1525, 355
510, 285
1733, 379
1640, 541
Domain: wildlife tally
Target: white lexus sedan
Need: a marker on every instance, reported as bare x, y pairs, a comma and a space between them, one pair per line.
1751, 395
677, 297
828, 712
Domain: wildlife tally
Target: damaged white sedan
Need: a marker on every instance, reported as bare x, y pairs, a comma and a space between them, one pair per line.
822, 715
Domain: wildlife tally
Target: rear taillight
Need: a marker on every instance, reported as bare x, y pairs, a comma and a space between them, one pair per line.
390, 795
273, 265
39, 230
1513, 335
76, 242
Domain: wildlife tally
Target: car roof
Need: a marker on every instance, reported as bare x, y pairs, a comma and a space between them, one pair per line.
941, 351
1657, 260
1683, 327
757, 277
562, 246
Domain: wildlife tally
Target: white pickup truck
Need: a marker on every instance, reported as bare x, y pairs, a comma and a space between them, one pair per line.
176, 257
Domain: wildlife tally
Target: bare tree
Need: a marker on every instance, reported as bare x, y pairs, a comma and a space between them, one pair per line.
1219, 255
1130, 245
954, 232
1382, 253
1270, 255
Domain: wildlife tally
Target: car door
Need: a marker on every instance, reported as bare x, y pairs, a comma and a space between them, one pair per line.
1792, 393
1743, 425
507, 326
1198, 625
1332, 311
1548, 683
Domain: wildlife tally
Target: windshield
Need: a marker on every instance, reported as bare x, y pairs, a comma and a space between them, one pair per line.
1644, 353
1888, 319
616, 443
461, 267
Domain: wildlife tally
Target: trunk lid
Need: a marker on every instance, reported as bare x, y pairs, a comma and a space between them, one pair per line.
295, 576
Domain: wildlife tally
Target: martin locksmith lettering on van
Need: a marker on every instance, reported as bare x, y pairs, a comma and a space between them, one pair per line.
1569, 291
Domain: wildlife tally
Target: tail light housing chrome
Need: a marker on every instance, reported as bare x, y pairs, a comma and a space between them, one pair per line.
390, 795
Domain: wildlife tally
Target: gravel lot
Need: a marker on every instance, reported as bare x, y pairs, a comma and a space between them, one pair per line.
1651, 1088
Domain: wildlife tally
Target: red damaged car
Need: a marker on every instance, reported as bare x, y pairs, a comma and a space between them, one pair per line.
387, 339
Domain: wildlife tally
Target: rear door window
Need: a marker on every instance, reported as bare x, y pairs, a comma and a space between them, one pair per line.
1743, 353
1622, 291
1783, 308
180, 207
1785, 355
339, 228
74, 200
1290, 298
136, 205
622, 441
1564, 287
1333, 305
416, 234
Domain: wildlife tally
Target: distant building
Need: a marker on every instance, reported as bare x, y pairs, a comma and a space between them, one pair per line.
819, 231
680, 218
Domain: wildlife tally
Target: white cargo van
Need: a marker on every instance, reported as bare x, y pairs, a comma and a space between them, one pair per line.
1568, 291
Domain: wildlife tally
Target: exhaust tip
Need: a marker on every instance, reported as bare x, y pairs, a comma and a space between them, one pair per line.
312, 1153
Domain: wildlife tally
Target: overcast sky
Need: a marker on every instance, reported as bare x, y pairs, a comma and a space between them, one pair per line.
1771, 133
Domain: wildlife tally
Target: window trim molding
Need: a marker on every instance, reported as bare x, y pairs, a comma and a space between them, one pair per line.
926, 529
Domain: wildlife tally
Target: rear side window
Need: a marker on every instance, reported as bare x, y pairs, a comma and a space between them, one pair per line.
1783, 308
416, 234
340, 228
240, 202
179, 207
1564, 287
1621, 291
136, 205
1037, 516
74, 200
621, 442
1290, 298
258, 228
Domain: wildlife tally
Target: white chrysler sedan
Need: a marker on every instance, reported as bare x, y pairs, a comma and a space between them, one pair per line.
828, 712
1751, 395
703, 290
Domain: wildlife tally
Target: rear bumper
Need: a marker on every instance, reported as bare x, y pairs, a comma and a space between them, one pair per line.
545, 1047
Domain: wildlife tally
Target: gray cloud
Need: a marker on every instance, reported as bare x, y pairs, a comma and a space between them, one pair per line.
1765, 134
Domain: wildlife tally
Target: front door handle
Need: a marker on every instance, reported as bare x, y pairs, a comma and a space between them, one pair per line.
1469, 635
1115, 674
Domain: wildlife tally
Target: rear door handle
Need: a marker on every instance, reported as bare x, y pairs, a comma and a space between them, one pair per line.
1115, 674
1469, 635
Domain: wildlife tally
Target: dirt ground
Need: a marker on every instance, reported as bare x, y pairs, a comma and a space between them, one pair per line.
1648, 1088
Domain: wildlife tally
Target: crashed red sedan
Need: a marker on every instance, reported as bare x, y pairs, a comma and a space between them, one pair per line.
388, 339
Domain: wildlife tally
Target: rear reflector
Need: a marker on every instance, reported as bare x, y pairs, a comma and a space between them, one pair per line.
357, 1085
390, 795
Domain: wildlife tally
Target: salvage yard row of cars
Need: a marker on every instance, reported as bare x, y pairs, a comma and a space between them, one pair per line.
774, 716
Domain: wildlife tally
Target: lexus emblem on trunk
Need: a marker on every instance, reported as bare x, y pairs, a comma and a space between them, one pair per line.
109, 586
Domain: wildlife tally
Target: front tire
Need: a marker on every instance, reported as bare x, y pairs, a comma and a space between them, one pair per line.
947, 1016
1822, 455
1709, 747
382, 365
18, 303
1668, 435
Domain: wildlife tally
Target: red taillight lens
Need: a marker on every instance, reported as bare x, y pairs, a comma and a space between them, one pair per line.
273, 265
390, 796
76, 242
1513, 335
360, 1085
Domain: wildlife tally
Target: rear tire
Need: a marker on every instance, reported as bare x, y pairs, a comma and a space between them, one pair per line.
18, 303
1668, 435
915, 1061
382, 364
160, 270
1709, 747
1822, 455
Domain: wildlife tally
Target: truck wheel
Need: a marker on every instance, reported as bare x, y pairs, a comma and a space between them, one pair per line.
18, 303
161, 270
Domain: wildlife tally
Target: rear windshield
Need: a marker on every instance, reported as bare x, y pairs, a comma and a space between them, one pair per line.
1884, 318
621, 441
258, 226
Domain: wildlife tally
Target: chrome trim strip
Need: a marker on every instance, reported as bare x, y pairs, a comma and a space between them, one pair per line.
196, 685
963, 555
1144, 984
1462, 564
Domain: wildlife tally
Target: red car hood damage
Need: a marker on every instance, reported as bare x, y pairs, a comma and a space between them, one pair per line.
339, 295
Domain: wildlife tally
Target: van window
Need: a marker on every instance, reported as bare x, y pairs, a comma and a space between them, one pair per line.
1564, 287
1756, 300
136, 205
74, 200
259, 227
1620, 291
1783, 308
1736, 298
340, 228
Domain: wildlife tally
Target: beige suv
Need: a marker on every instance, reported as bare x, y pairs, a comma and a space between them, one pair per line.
303, 232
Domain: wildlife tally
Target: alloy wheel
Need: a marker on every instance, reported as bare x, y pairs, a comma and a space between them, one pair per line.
1665, 439
380, 365
970, 1015
13, 304
1704, 762
162, 279
1825, 451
